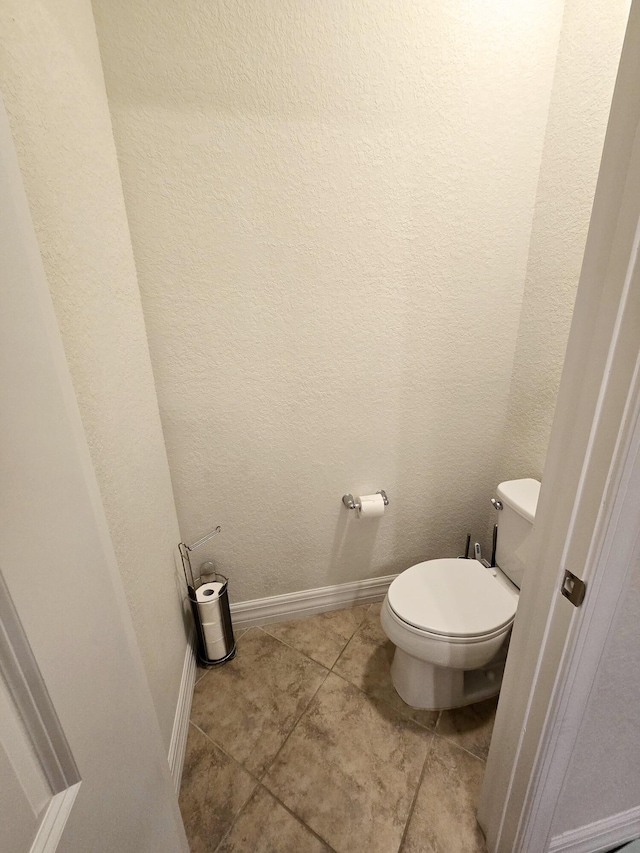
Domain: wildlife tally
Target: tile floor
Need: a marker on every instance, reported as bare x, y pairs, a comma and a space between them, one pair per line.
301, 744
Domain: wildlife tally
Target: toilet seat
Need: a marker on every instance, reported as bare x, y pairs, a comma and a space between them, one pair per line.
452, 600
442, 639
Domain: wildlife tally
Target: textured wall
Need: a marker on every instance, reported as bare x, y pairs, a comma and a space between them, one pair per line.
330, 207
51, 81
588, 55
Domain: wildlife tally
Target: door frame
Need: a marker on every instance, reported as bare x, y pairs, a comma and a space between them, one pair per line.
587, 518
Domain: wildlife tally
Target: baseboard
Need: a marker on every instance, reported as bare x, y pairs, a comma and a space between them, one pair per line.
180, 730
600, 835
295, 605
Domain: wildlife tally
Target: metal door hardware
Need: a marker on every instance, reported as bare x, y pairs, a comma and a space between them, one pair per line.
573, 588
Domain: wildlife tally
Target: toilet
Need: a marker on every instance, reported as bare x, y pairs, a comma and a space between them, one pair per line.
450, 619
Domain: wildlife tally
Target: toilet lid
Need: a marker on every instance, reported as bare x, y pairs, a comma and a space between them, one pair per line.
455, 598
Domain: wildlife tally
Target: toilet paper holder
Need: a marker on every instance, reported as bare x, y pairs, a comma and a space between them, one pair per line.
192, 585
354, 503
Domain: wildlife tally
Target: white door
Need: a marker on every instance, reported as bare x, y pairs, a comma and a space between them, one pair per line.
82, 767
588, 522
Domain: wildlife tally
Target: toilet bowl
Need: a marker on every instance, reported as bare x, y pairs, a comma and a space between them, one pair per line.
450, 619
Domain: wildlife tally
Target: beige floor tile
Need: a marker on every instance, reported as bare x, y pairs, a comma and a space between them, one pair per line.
266, 827
470, 727
444, 816
321, 637
350, 768
366, 662
250, 704
214, 789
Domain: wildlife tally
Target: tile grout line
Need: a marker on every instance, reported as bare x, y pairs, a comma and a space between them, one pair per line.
298, 818
284, 643
293, 728
458, 746
259, 782
417, 790
243, 768
390, 706
293, 648
235, 760
228, 754
259, 779
235, 820
433, 731
366, 616
330, 670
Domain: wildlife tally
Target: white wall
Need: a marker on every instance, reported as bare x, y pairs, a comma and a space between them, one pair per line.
51, 81
330, 207
588, 55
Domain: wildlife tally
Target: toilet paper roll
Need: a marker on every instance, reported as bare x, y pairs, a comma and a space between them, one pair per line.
208, 599
212, 633
208, 591
214, 642
216, 649
215, 620
371, 506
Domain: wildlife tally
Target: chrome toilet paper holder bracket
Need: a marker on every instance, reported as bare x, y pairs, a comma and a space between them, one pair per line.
203, 539
185, 550
354, 503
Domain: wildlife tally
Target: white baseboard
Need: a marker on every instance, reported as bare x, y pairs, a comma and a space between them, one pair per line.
180, 730
600, 835
295, 605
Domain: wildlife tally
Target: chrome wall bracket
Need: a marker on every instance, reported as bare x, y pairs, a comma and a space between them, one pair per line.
350, 502
185, 550
354, 503
203, 540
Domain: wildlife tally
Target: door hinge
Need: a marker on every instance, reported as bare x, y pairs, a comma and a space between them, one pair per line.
573, 588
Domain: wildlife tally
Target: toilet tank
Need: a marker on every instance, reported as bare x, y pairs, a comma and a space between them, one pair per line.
515, 521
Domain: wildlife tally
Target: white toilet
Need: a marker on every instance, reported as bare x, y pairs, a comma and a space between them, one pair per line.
450, 619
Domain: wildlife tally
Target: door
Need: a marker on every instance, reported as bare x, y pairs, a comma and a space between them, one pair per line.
82, 767
588, 522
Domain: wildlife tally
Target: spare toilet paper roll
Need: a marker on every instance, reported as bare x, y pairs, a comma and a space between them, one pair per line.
371, 506
214, 642
215, 620
208, 598
216, 649
208, 591
212, 632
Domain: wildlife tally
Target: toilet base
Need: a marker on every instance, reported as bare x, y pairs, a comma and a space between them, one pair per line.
434, 688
